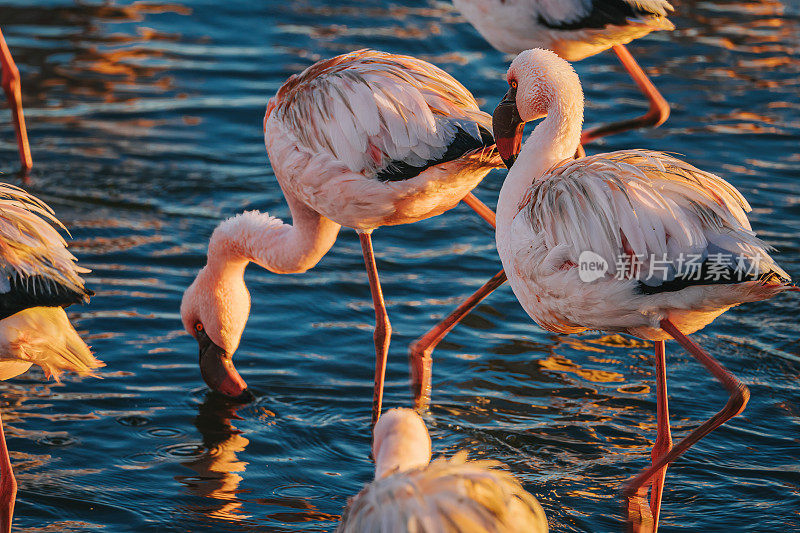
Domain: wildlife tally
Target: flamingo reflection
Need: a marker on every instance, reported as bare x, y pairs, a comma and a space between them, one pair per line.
219, 468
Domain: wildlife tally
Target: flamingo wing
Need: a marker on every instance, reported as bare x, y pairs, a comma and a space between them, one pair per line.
651, 217
386, 116
36, 269
596, 14
447, 495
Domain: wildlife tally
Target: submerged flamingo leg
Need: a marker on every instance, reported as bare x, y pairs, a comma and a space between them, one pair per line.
655, 116
739, 394
8, 485
383, 329
663, 442
12, 88
420, 352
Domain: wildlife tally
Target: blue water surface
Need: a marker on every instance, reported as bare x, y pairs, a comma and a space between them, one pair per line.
145, 120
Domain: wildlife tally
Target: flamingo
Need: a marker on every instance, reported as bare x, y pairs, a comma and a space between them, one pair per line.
409, 493
12, 88
38, 277
633, 241
574, 29
362, 140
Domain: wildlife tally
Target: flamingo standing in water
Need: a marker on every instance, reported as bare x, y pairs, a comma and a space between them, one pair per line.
574, 29
674, 247
12, 88
411, 494
38, 277
363, 140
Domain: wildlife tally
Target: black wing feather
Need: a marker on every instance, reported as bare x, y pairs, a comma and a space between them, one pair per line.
462, 144
603, 13
38, 291
705, 277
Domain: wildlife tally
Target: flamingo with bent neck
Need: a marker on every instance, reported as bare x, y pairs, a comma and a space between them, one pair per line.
38, 277
361, 140
412, 494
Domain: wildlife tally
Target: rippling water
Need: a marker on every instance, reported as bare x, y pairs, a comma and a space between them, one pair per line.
145, 125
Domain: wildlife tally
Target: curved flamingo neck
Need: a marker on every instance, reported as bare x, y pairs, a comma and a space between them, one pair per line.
267, 241
554, 139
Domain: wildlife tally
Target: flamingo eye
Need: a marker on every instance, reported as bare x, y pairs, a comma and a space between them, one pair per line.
513, 84
198, 327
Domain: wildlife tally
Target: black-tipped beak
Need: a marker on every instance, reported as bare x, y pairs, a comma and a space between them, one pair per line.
507, 127
218, 371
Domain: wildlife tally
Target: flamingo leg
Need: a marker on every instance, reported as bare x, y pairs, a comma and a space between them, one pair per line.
383, 329
12, 87
481, 208
655, 116
739, 394
8, 485
420, 352
663, 442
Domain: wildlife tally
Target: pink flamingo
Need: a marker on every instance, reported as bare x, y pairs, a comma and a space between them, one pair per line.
362, 140
38, 277
574, 29
13, 89
409, 493
671, 244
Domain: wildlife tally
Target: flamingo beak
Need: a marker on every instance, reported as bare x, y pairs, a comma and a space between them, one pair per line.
218, 371
507, 127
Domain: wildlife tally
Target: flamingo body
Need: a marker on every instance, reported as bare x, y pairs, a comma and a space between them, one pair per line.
38, 277
412, 494
625, 204
369, 139
574, 29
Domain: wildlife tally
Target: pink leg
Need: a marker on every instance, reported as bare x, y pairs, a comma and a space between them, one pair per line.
383, 329
739, 394
663, 442
655, 116
479, 207
420, 352
8, 485
12, 88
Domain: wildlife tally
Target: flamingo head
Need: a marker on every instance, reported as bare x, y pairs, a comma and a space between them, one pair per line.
538, 80
400, 441
214, 311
